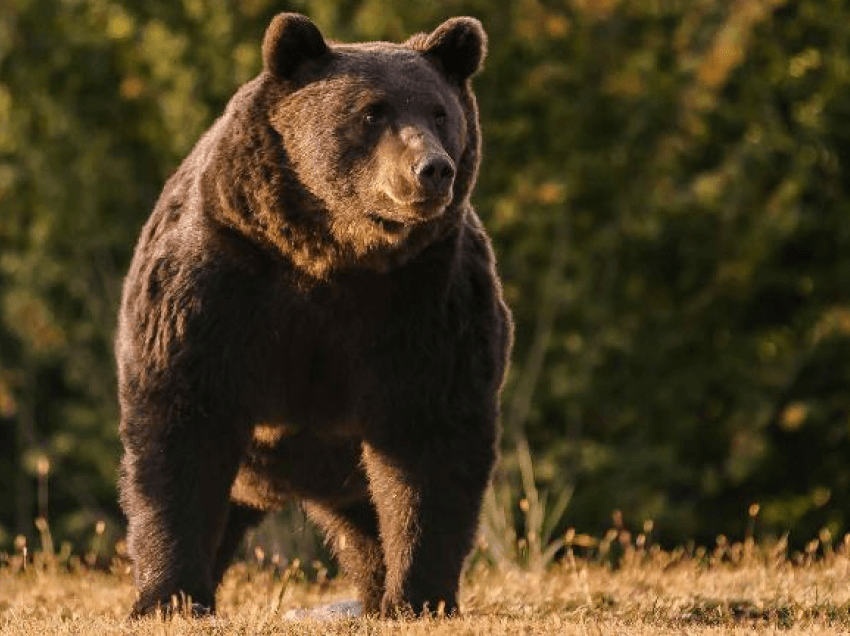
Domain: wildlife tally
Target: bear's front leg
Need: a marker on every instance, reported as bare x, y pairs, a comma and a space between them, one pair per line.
428, 493
176, 474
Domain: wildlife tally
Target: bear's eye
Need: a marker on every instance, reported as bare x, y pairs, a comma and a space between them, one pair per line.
440, 116
375, 115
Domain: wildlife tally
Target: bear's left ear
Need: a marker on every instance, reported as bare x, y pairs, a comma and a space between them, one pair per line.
291, 40
459, 46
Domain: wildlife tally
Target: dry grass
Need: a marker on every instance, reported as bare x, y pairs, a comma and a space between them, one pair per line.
735, 589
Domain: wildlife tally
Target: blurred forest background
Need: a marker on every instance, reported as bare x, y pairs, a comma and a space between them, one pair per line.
666, 183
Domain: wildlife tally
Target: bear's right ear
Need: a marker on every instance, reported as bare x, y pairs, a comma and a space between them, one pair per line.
291, 40
459, 46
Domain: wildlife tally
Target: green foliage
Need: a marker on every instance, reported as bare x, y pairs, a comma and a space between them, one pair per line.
698, 358
666, 188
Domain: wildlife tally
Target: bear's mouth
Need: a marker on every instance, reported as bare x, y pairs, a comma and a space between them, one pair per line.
417, 209
408, 213
389, 225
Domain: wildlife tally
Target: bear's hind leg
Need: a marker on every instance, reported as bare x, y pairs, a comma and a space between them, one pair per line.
352, 533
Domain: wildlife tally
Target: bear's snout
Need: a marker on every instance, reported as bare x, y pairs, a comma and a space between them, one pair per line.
435, 175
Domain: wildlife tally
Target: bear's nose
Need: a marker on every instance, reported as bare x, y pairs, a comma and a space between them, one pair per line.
435, 174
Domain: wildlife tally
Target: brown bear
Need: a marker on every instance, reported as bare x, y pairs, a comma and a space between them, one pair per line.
313, 314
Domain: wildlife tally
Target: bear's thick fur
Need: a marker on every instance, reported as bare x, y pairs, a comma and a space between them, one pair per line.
313, 314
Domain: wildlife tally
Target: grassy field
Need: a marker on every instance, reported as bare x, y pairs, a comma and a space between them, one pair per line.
741, 588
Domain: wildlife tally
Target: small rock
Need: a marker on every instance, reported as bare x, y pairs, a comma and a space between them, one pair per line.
334, 611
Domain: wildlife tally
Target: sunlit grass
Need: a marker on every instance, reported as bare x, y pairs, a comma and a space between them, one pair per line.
621, 584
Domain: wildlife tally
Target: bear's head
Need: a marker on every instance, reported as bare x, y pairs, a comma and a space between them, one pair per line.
382, 137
